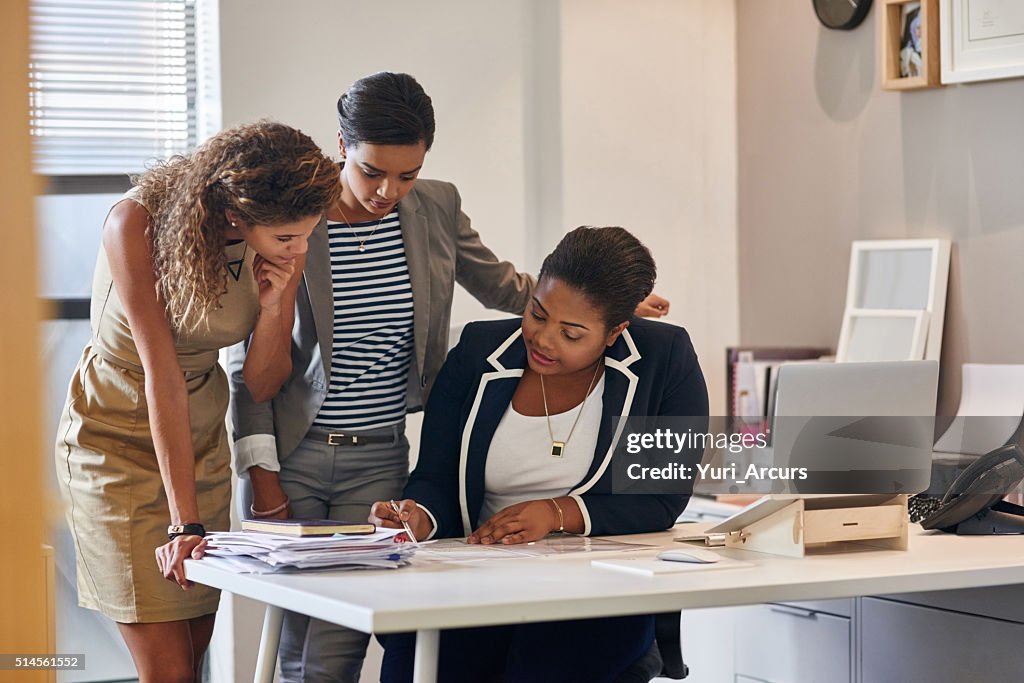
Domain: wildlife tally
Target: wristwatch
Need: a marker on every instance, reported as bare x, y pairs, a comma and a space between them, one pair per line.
175, 530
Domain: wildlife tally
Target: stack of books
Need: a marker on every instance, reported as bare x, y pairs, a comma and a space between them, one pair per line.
290, 545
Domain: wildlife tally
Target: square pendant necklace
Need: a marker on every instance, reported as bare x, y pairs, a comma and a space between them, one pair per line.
558, 447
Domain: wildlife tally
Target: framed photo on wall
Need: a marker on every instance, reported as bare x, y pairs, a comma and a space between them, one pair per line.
909, 41
982, 40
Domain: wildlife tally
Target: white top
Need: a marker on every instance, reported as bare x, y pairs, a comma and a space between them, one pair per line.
519, 462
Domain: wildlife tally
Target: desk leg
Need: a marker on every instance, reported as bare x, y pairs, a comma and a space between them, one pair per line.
266, 660
428, 643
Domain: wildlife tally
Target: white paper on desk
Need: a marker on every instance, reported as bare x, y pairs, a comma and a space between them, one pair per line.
570, 543
992, 397
652, 566
379, 536
457, 550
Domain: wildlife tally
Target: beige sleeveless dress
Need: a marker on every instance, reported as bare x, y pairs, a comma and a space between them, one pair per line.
106, 464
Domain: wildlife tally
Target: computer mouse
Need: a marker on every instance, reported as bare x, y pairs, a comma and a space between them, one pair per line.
695, 555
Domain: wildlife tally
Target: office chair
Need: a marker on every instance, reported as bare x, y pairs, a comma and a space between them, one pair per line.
665, 658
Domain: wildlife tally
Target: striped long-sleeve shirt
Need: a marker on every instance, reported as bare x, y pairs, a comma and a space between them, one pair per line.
373, 326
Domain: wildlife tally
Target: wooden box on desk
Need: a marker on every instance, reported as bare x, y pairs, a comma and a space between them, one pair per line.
796, 526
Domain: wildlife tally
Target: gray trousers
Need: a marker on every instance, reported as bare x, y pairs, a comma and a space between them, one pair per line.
336, 482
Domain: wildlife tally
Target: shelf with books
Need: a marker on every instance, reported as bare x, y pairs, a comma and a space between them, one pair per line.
750, 377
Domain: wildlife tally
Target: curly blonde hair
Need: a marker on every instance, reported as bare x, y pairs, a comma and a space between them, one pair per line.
265, 172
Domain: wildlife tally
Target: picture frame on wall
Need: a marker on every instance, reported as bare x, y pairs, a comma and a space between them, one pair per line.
981, 40
909, 41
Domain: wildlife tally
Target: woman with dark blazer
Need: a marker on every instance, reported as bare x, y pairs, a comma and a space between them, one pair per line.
517, 443
371, 329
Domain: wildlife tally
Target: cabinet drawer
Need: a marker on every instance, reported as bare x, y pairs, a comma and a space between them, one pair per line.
785, 644
903, 643
1000, 602
842, 607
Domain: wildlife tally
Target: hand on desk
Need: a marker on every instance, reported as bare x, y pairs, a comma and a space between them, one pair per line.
382, 514
170, 557
519, 523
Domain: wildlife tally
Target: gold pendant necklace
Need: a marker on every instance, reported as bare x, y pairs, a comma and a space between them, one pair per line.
362, 242
558, 447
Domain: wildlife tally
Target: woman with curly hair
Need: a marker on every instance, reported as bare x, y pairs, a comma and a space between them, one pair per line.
205, 251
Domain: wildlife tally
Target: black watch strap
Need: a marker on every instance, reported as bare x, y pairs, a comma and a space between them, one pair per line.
175, 530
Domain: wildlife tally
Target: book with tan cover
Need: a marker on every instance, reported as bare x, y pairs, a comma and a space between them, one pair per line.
307, 527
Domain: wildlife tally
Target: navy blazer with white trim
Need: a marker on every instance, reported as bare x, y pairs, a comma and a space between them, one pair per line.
651, 370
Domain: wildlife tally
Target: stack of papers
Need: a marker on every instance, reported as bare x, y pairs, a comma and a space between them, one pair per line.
255, 552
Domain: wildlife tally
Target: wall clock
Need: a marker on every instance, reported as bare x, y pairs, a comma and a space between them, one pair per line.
841, 14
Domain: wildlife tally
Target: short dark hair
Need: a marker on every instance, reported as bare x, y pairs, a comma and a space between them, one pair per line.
386, 109
611, 267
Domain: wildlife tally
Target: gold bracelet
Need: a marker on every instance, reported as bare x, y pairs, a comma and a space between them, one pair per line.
561, 518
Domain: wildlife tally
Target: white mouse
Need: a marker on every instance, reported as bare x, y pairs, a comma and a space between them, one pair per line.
695, 555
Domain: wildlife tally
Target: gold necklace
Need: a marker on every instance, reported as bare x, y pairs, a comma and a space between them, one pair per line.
362, 242
558, 447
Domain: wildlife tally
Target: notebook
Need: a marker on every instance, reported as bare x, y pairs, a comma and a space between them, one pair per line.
307, 527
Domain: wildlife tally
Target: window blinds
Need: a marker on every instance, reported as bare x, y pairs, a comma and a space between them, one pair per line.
113, 83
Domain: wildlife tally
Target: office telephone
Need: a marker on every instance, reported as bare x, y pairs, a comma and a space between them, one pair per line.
974, 503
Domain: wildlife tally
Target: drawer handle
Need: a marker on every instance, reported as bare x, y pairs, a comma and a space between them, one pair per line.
794, 611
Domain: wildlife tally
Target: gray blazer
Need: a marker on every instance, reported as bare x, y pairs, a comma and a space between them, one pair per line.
441, 248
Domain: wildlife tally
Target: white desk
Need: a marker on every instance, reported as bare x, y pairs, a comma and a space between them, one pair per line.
431, 597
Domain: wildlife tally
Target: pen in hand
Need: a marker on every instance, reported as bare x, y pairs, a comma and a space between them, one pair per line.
405, 524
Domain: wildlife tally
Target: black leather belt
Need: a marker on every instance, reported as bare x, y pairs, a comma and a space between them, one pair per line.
347, 438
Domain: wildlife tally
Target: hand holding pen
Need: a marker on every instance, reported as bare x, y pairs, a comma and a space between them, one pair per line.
405, 520
404, 514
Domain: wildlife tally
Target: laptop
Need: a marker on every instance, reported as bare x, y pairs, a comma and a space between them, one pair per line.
857, 428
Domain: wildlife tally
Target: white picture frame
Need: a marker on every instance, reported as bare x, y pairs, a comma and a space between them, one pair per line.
899, 276
981, 40
876, 335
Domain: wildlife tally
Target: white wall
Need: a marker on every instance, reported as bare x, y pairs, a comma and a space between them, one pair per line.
549, 115
291, 61
649, 130
839, 159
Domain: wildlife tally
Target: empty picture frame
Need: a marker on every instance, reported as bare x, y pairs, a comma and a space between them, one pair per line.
909, 40
895, 275
981, 40
883, 335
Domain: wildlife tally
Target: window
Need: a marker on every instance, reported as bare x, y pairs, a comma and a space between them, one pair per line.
115, 84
